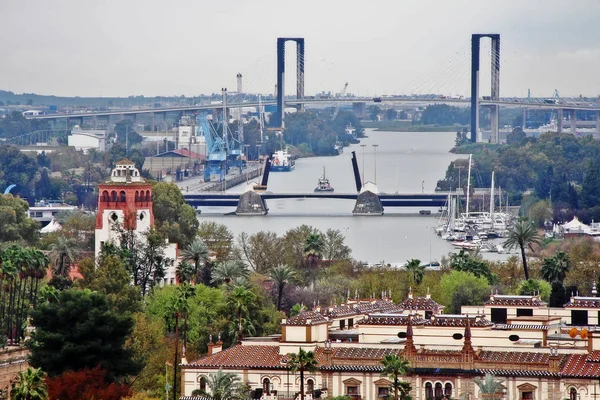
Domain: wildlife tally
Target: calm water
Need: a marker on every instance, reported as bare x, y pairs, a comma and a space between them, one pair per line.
406, 162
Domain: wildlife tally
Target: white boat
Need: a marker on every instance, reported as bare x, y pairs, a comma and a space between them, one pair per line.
282, 161
324, 185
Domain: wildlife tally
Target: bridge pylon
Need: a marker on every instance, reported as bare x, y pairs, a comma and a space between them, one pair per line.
281, 75
495, 85
251, 203
367, 201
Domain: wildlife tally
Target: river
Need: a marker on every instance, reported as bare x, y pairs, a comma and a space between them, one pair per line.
407, 162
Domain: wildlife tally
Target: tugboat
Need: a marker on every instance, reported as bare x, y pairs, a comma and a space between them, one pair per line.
323, 185
282, 162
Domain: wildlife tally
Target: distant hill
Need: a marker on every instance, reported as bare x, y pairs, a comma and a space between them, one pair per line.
45, 100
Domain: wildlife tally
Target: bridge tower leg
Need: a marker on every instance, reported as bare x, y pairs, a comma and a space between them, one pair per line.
573, 121
559, 120
524, 124
281, 75
495, 91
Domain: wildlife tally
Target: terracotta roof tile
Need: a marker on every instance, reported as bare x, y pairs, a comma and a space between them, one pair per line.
514, 357
583, 302
594, 356
241, 356
421, 303
521, 301
306, 318
441, 320
375, 319
577, 365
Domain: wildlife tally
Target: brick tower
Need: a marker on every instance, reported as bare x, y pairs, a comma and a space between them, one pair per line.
125, 200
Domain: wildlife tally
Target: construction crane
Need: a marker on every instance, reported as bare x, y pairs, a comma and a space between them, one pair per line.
233, 146
337, 105
216, 166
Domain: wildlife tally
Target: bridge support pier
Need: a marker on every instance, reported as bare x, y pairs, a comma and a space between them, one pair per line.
251, 203
573, 121
367, 202
597, 124
494, 123
559, 120
524, 123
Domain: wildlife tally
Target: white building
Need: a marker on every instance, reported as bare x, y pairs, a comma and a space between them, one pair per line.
87, 139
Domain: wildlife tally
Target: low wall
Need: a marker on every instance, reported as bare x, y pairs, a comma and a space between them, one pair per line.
12, 360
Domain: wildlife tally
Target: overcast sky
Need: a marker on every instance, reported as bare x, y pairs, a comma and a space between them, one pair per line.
158, 47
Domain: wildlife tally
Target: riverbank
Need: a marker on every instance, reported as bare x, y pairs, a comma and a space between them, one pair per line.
407, 126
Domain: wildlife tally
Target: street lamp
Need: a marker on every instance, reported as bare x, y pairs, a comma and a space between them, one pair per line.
363, 162
422, 187
375, 178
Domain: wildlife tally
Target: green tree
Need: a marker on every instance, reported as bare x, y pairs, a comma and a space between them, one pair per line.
282, 275
263, 250
217, 237
532, 287
394, 367
184, 272
462, 288
415, 268
30, 385
197, 252
463, 261
516, 136
374, 112
173, 217
240, 300
229, 271
77, 331
313, 251
224, 385
590, 193
558, 295
524, 234
16, 168
63, 253
334, 247
490, 386
112, 279
303, 361
15, 222
556, 268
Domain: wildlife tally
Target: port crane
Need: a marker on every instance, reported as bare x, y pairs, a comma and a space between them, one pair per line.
337, 105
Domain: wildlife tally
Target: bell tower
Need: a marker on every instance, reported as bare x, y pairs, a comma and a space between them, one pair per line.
123, 201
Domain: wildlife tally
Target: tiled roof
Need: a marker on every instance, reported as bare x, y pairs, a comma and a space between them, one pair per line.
516, 372
306, 318
583, 302
522, 326
578, 366
520, 301
362, 307
458, 322
514, 357
241, 356
375, 319
420, 303
594, 356
352, 368
194, 398
341, 311
362, 353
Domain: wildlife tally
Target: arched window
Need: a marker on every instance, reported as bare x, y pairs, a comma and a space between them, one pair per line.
203, 384
122, 196
148, 195
310, 386
428, 391
105, 197
266, 386
113, 196
438, 391
448, 389
137, 196
573, 394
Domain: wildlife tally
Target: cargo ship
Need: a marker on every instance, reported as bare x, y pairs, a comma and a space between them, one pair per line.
282, 161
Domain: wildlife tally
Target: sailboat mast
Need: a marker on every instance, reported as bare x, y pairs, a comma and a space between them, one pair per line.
492, 197
469, 185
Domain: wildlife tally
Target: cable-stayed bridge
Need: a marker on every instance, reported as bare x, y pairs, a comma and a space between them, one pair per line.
453, 75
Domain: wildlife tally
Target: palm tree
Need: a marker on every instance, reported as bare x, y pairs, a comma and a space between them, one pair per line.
303, 361
555, 268
416, 269
282, 275
224, 385
394, 366
184, 272
228, 271
30, 385
313, 252
197, 251
523, 234
489, 386
240, 299
62, 253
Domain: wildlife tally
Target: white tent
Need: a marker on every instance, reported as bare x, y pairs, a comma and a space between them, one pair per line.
53, 226
576, 226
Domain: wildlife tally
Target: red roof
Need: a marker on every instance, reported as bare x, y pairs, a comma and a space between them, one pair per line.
188, 153
578, 366
515, 301
421, 303
241, 356
306, 318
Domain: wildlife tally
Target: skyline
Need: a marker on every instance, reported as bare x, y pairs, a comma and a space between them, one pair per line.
110, 49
